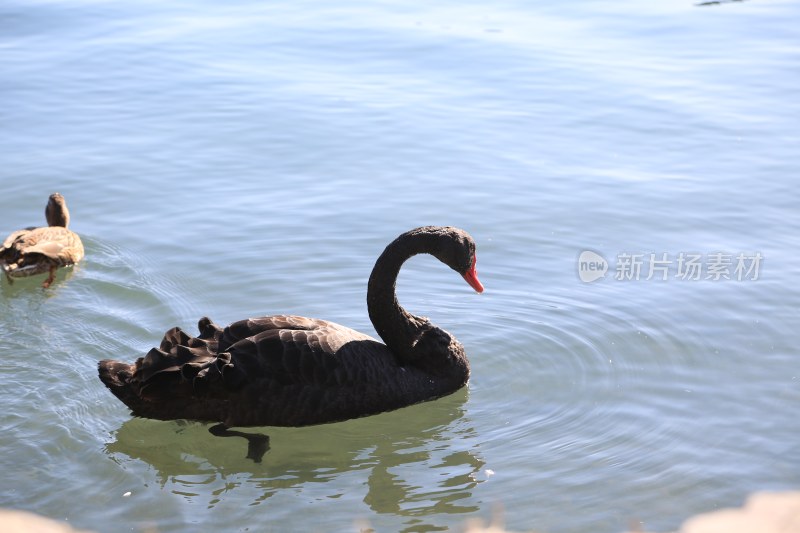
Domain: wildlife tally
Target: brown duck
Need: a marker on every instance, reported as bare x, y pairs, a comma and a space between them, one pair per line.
295, 371
33, 250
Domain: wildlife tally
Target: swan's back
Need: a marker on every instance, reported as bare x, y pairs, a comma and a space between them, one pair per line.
277, 370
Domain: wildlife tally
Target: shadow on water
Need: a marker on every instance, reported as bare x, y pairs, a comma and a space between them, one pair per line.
391, 455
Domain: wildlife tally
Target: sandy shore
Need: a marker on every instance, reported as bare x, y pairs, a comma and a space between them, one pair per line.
763, 512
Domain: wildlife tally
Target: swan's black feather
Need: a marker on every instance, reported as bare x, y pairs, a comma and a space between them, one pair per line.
288, 370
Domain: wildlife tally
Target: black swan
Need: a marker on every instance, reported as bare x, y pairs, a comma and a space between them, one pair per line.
34, 250
295, 371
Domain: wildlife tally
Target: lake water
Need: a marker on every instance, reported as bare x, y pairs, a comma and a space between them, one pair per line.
255, 158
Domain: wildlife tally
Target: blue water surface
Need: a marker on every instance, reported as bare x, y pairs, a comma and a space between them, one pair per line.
251, 158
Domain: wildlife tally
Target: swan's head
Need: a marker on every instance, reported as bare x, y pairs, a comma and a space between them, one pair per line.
56, 211
455, 248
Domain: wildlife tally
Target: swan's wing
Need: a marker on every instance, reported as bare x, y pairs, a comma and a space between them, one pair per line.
159, 374
243, 329
293, 351
286, 350
276, 351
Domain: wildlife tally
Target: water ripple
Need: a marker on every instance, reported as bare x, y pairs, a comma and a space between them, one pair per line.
592, 372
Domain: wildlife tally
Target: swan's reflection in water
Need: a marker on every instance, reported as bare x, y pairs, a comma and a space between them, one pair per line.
413, 462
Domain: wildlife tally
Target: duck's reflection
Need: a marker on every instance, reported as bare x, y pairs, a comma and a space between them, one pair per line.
32, 285
414, 461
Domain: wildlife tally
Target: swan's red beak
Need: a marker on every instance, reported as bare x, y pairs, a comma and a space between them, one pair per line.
471, 276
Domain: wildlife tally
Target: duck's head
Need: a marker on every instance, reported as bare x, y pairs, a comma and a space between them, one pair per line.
56, 211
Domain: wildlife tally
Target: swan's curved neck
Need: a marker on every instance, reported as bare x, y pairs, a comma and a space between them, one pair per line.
397, 327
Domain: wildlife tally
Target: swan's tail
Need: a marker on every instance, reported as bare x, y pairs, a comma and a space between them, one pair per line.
166, 395
180, 379
117, 377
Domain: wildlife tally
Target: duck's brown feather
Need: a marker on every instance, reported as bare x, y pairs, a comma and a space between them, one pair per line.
35, 250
